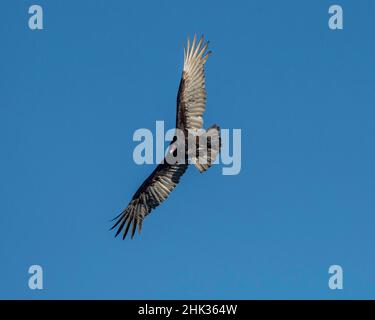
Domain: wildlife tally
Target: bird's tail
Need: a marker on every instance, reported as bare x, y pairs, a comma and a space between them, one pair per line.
207, 148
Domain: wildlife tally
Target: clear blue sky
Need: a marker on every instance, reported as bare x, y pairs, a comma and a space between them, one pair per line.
73, 94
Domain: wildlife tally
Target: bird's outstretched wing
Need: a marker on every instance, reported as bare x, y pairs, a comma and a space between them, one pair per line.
154, 190
191, 98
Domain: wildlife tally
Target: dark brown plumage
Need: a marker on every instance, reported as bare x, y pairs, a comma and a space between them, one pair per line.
191, 101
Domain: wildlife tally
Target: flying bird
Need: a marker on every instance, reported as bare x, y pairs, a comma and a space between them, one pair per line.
191, 104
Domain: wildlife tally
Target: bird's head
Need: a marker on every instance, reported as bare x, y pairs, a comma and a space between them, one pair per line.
172, 148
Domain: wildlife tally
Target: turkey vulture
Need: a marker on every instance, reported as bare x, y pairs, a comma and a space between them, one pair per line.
191, 100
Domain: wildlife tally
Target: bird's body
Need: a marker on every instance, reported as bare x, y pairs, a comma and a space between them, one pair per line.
190, 142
